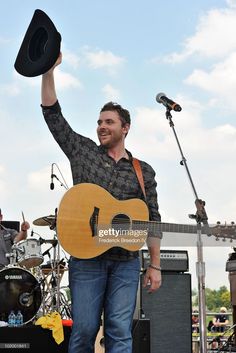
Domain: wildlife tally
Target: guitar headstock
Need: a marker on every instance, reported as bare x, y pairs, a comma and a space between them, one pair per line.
224, 231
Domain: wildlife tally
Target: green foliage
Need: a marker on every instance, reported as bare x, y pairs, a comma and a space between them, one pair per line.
215, 299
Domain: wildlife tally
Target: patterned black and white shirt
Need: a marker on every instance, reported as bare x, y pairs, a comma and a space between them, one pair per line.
90, 163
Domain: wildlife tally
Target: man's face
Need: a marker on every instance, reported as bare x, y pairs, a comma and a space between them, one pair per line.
110, 131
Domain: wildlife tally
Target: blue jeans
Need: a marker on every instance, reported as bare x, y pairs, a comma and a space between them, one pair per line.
96, 285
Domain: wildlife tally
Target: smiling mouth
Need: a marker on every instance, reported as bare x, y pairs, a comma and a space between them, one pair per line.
104, 135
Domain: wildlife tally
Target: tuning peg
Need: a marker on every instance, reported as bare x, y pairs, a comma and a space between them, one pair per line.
218, 223
232, 223
217, 238
224, 239
231, 240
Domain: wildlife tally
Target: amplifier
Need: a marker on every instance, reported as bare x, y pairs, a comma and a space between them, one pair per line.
169, 310
171, 260
11, 224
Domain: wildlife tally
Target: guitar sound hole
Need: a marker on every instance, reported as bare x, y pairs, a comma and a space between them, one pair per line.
121, 221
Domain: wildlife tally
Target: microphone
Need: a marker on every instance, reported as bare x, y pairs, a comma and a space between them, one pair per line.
52, 175
168, 103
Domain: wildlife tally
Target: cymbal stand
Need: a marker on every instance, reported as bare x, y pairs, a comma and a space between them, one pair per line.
54, 281
57, 255
200, 217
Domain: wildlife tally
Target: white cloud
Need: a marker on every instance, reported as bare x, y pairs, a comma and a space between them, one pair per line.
65, 80
220, 81
72, 59
104, 60
111, 93
12, 89
214, 37
37, 179
231, 3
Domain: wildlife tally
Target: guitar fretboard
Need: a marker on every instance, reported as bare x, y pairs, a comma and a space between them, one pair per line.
154, 227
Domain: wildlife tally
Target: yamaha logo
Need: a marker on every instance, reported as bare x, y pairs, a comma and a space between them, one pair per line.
13, 277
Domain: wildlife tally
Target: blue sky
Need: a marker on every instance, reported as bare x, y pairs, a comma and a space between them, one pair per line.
128, 51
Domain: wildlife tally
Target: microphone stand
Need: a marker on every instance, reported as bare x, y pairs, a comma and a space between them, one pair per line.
200, 217
64, 184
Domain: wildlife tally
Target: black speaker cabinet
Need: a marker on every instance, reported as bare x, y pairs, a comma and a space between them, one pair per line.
31, 339
11, 224
169, 310
141, 336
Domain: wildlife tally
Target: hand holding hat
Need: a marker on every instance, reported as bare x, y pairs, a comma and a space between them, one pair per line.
40, 48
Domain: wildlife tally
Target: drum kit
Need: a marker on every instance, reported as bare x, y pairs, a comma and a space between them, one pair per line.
28, 285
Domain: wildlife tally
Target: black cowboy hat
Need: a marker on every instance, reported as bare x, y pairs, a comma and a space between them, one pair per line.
40, 47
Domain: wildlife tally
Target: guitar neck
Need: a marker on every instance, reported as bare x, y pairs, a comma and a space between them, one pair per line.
155, 227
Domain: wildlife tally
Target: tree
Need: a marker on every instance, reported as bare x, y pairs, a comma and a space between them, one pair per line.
215, 299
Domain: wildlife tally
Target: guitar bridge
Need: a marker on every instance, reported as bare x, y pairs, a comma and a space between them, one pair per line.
94, 221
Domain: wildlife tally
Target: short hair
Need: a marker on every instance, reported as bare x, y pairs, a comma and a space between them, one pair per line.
123, 113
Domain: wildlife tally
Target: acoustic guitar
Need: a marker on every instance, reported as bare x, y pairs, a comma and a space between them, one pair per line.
90, 221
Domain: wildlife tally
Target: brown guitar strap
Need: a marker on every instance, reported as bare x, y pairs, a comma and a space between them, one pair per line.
139, 173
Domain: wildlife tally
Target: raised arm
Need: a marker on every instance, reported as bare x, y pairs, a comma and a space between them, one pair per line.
48, 91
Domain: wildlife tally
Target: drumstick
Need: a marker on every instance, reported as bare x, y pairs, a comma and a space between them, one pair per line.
23, 216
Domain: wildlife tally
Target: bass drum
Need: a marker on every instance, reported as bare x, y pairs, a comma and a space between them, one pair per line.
19, 290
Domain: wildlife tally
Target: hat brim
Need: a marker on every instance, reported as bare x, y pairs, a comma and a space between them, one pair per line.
40, 47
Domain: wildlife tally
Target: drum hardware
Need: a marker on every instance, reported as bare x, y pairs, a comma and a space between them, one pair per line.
55, 273
52, 296
12, 257
51, 300
48, 241
52, 280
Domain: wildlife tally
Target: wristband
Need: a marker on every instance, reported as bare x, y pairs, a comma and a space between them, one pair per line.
155, 267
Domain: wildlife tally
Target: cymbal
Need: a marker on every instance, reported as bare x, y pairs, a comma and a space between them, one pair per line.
45, 221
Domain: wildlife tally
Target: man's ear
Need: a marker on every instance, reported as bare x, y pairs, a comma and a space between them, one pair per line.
126, 128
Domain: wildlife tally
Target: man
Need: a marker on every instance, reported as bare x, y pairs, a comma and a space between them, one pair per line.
107, 282
220, 321
7, 238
